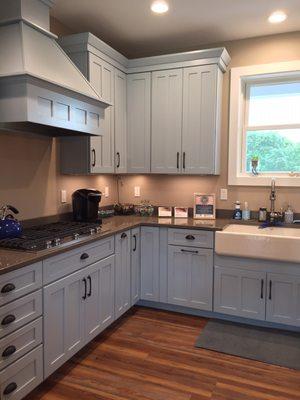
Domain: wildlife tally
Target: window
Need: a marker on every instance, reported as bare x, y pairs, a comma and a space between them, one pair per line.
265, 125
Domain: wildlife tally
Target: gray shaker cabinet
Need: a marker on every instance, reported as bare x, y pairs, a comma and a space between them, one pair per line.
135, 265
150, 263
138, 122
283, 299
166, 121
202, 95
190, 277
240, 292
122, 273
120, 107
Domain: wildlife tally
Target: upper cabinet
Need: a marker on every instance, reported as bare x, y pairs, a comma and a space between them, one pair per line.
138, 122
166, 121
166, 111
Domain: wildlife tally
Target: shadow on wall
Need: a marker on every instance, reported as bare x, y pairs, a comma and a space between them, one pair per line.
28, 173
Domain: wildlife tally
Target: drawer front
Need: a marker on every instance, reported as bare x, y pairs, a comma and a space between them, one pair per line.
21, 377
191, 237
20, 342
64, 264
18, 283
20, 312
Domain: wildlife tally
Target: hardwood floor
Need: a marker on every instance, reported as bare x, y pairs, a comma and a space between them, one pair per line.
150, 355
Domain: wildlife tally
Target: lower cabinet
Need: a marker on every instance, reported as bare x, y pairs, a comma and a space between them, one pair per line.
76, 309
150, 263
135, 265
190, 277
122, 275
21, 377
240, 292
283, 299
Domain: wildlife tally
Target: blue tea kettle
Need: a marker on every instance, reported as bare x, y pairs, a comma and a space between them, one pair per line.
9, 226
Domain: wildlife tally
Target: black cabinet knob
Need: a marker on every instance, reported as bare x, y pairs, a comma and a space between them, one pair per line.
84, 256
124, 235
11, 387
8, 319
9, 351
190, 237
9, 287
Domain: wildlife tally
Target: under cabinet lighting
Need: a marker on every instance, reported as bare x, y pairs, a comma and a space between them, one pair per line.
277, 17
159, 6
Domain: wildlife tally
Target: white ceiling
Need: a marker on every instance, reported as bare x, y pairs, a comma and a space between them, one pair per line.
130, 27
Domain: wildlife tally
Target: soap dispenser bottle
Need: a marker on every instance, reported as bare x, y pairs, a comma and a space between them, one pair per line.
237, 215
246, 212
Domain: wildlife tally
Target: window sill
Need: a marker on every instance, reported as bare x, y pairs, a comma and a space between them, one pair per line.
262, 180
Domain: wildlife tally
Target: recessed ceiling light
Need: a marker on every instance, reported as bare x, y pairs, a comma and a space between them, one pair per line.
277, 17
159, 6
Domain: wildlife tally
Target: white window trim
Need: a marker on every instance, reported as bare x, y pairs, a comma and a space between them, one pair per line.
239, 77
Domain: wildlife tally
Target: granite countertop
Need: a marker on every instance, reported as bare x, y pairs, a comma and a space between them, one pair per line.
14, 259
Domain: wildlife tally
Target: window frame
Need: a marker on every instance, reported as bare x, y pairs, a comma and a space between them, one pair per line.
241, 80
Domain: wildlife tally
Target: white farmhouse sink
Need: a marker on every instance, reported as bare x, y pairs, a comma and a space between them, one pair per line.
274, 243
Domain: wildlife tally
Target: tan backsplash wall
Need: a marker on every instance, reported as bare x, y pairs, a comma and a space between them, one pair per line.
174, 190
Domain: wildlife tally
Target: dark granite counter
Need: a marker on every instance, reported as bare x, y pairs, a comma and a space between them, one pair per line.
13, 259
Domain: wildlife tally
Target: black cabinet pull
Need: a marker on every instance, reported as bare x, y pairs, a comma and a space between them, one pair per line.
8, 319
85, 288
124, 235
177, 159
11, 387
262, 289
189, 251
134, 248
9, 351
118, 160
183, 160
94, 157
84, 256
270, 290
90, 286
9, 287
190, 237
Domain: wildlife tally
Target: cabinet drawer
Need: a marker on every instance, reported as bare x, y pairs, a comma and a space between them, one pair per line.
20, 282
64, 264
21, 377
20, 342
20, 312
191, 237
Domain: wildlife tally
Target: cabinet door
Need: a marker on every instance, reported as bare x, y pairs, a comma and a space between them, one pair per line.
120, 122
166, 121
150, 263
63, 320
138, 122
135, 265
101, 76
122, 282
240, 292
190, 277
283, 299
200, 125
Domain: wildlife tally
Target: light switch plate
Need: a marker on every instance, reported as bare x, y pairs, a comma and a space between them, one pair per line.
106, 191
137, 191
63, 196
223, 194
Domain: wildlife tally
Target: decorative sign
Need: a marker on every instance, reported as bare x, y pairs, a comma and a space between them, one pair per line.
181, 212
204, 206
165, 211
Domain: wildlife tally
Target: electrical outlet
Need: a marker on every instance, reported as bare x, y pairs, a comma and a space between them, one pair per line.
137, 191
106, 191
63, 196
223, 194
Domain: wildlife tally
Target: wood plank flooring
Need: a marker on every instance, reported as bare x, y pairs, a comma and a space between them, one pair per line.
150, 355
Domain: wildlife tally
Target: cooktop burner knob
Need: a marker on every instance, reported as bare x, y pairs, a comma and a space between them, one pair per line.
56, 241
48, 244
76, 236
92, 231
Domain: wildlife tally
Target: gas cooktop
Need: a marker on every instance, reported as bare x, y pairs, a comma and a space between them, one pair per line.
47, 236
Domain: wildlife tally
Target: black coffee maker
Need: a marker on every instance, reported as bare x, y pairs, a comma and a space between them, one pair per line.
86, 205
